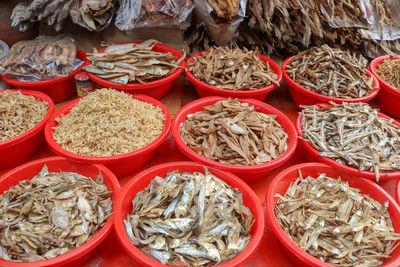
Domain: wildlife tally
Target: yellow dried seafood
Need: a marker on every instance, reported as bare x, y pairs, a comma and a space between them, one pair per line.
234, 133
108, 123
51, 214
389, 71
336, 223
19, 113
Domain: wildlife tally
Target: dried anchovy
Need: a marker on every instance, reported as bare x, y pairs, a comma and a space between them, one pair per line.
51, 214
132, 63
331, 72
234, 133
353, 134
189, 220
336, 223
233, 69
389, 71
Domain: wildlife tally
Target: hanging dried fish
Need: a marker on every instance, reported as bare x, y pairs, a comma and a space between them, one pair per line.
132, 63
353, 134
389, 71
233, 69
331, 72
189, 220
51, 214
234, 133
336, 223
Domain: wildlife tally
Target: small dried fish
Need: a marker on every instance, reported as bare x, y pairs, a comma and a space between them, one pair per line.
353, 134
336, 223
389, 71
132, 63
51, 214
189, 220
331, 72
233, 69
234, 133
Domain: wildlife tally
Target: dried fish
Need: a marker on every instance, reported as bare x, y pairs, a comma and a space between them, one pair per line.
331, 72
51, 214
225, 9
233, 132
389, 71
19, 113
189, 219
335, 222
132, 63
353, 134
233, 69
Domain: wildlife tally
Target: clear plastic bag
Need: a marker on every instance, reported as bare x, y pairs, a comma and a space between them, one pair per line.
43, 58
94, 15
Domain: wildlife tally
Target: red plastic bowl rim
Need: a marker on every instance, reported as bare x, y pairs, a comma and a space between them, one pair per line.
397, 192
38, 127
131, 86
374, 65
88, 245
111, 159
342, 167
290, 130
323, 98
140, 256
79, 54
243, 93
280, 233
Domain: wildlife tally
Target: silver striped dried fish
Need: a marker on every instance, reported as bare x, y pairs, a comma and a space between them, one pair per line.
353, 134
189, 219
51, 214
389, 71
331, 72
235, 133
232, 69
335, 222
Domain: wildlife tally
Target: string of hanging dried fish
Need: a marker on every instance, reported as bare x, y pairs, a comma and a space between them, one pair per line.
331, 72
335, 222
132, 63
353, 134
233, 69
189, 220
19, 113
234, 133
389, 71
51, 214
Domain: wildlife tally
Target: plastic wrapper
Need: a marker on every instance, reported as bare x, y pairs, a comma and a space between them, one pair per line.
94, 15
43, 58
221, 21
153, 13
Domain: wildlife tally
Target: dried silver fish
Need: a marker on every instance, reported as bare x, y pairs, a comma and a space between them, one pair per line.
189, 219
51, 214
389, 71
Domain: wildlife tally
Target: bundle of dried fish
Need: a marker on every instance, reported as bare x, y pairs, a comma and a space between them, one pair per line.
108, 123
189, 220
336, 223
353, 134
234, 133
94, 15
389, 71
233, 69
331, 72
225, 9
51, 214
19, 113
132, 63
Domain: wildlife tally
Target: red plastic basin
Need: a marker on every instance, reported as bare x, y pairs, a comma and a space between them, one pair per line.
82, 254
120, 165
59, 89
204, 90
281, 183
344, 169
248, 173
157, 89
21, 148
303, 96
123, 207
388, 97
